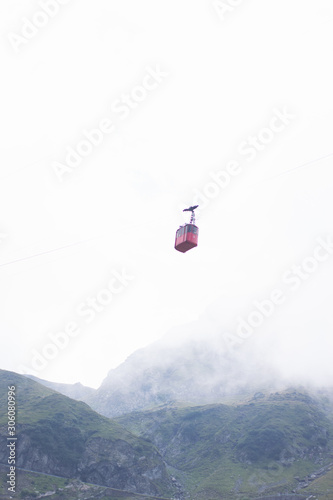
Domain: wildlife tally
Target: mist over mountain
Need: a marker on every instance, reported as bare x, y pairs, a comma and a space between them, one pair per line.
207, 361
195, 414
185, 366
75, 391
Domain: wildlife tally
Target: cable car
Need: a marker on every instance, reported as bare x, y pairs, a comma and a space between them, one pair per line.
187, 235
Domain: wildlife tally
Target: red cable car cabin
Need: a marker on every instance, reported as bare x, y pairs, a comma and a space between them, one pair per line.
186, 237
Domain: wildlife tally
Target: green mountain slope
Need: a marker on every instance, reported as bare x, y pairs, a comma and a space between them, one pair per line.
269, 445
60, 436
32, 485
244, 450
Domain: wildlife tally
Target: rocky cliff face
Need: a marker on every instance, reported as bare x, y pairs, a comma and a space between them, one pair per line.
116, 464
122, 467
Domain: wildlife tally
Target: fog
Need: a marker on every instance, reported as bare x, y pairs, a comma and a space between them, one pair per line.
118, 115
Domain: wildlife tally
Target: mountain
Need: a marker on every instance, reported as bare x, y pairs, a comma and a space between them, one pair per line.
267, 445
57, 435
183, 368
75, 391
273, 444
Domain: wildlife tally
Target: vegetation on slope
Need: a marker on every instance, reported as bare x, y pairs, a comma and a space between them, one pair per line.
246, 449
270, 444
32, 485
60, 436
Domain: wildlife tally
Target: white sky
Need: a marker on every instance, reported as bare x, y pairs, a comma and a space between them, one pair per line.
123, 203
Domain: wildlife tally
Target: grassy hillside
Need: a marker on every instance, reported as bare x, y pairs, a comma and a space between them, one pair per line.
321, 487
35, 485
242, 450
57, 435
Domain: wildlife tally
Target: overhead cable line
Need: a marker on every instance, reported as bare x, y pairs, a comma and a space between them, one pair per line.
300, 166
